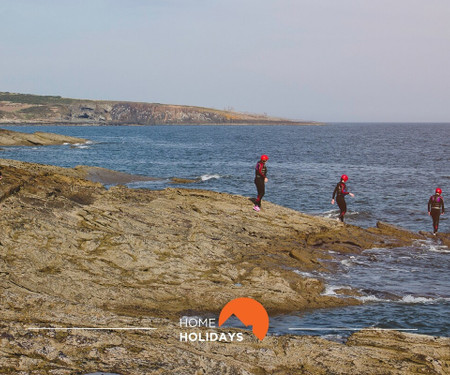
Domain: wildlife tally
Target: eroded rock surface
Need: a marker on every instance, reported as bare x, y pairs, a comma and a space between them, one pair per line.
14, 138
74, 254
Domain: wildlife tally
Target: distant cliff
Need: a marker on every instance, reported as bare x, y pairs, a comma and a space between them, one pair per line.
35, 109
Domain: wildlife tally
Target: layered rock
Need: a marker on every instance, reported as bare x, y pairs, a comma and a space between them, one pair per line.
14, 138
73, 253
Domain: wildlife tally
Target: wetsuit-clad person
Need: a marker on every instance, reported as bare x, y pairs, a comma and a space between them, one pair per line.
260, 180
436, 208
340, 191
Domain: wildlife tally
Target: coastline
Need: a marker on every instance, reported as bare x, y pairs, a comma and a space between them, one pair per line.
75, 254
15, 138
83, 123
49, 110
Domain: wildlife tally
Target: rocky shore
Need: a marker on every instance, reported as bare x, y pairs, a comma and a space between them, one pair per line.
14, 138
75, 254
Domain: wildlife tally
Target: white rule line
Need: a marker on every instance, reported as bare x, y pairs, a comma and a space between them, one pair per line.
91, 328
352, 329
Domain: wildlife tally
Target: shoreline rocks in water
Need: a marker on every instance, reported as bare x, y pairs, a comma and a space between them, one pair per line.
13, 138
110, 177
74, 254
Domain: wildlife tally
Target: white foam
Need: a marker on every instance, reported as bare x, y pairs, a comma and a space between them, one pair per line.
406, 299
305, 274
371, 299
431, 245
207, 177
346, 262
330, 290
439, 249
411, 299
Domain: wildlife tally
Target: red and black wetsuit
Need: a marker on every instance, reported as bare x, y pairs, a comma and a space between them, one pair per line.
435, 205
340, 192
260, 175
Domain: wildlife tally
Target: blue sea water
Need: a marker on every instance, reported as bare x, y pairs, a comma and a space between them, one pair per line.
393, 169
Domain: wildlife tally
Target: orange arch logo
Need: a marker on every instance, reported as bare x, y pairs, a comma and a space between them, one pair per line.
249, 312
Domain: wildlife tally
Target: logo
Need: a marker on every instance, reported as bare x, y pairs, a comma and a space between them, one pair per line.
249, 312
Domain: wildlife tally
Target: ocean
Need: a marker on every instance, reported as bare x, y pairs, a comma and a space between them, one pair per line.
393, 169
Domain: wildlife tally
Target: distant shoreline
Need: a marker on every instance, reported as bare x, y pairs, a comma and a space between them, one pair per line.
55, 110
179, 124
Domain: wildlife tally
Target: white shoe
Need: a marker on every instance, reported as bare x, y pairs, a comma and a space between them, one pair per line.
256, 208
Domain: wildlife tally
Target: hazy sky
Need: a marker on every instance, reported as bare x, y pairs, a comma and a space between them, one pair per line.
324, 60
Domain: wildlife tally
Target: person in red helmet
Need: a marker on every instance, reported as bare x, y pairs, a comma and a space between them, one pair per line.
260, 180
340, 191
436, 208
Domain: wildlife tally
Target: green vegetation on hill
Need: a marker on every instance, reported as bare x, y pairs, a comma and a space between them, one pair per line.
35, 99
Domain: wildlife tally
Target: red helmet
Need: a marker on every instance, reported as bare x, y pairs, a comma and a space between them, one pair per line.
344, 177
438, 191
264, 157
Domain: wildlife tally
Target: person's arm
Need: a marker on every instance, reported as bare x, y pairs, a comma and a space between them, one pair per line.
334, 193
429, 205
344, 191
443, 209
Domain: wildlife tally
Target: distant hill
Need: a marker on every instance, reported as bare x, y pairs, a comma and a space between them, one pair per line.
37, 109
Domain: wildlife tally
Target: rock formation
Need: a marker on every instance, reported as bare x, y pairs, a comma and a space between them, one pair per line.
14, 138
74, 254
22, 108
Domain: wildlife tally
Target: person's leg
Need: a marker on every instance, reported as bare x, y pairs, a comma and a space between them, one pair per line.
260, 187
435, 214
342, 206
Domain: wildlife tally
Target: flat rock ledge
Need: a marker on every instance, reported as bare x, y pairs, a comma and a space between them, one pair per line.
75, 254
13, 138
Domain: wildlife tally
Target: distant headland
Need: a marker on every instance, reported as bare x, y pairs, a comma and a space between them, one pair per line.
55, 110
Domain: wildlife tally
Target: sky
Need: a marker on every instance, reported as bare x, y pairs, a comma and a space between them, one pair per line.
321, 60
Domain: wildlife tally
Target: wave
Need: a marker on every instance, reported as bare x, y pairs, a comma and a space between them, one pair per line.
374, 296
408, 299
333, 214
431, 245
305, 274
207, 177
330, 290
439, 249
411, 299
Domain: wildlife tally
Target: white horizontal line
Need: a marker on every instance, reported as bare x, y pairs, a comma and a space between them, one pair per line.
352, 329
90, 328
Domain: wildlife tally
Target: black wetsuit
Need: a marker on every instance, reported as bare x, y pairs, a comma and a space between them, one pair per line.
340, 193
435, 205
260, 175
